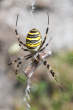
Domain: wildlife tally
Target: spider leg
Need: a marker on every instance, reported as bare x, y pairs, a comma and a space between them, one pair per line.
59, 84
17, 35
47, 29
20, 62
50, 69
14, 61
29, 56
19, 59
44, 47
23, 48
18, 66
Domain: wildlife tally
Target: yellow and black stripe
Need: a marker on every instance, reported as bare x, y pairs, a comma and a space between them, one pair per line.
33, 40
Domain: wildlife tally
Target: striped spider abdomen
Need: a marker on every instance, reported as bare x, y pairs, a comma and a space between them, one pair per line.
33, 40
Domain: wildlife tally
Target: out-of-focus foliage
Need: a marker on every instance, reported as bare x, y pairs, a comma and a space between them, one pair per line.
22, 78
69, 58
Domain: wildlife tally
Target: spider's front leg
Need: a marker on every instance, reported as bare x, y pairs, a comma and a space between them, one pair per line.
43, 47
18, 37
47, 29
46, 45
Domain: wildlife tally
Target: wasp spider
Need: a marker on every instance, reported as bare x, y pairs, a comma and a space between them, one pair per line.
35, 45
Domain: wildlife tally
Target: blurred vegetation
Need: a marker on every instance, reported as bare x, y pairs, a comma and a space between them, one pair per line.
45, 95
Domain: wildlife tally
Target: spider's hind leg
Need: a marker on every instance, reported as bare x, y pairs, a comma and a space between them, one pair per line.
18, 61
59, 84
14, 61
18, 66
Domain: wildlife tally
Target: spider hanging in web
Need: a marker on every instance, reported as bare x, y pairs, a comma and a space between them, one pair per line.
35, 45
